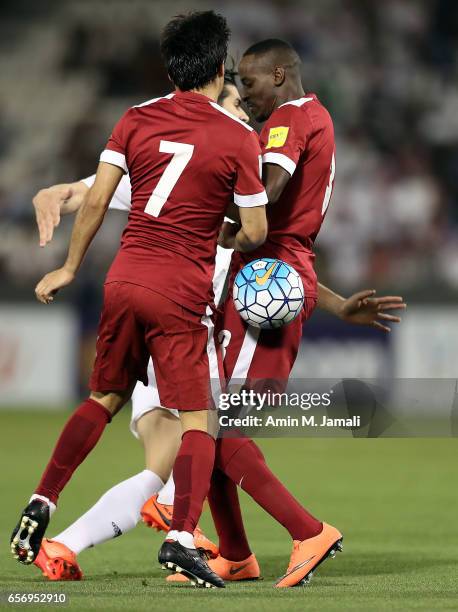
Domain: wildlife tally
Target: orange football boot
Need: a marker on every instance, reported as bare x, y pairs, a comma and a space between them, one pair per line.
176, 578
159, 517
201, 541
57, 562
228, 570
309, 554
156, 515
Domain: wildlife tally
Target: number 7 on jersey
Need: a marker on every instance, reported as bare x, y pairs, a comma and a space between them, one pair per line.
182, 154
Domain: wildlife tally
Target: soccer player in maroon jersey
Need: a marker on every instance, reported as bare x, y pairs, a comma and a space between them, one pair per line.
297, 142
58, 561
259, 460
186, 159
298, 171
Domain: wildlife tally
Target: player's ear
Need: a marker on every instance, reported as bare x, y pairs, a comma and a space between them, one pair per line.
221, 70
279, 75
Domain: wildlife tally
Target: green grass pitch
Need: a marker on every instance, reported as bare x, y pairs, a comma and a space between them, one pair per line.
394, 500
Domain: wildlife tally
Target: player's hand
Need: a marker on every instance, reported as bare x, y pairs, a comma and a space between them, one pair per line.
227, 234
363, 308
51, 283
47, 204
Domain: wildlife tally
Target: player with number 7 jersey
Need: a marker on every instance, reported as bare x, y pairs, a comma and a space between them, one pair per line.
187, 158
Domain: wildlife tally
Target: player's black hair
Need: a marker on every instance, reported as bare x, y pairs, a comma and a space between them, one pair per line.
281, 53
270, 44
193, 47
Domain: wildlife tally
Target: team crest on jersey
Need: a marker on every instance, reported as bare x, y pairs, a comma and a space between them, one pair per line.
277, 137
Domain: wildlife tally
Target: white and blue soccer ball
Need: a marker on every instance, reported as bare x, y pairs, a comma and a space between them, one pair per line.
268, 293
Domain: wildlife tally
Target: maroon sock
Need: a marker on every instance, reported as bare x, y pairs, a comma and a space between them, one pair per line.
79, 436
192, 472
244, 464
225, 508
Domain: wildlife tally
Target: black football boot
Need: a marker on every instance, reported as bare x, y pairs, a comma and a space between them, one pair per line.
190, 562
28, 533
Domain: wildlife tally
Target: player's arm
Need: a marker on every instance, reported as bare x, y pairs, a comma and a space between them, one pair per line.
283, 138
232, 212
247, 235
87, 223
51, 203
361, 308
275, 179
250, 198
67, 198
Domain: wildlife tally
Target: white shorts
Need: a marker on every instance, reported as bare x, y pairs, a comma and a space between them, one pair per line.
146, 399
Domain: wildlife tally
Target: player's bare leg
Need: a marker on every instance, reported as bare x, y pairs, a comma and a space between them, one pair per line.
192, 472
79, 436
160, 433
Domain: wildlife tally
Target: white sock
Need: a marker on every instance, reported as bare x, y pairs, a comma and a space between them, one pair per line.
52, 507
167, 493
183, 537
116, 512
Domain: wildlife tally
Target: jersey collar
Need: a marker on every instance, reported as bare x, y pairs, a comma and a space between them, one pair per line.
192, 96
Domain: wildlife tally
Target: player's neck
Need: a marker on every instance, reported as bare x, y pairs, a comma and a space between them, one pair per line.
212, 90
290, 91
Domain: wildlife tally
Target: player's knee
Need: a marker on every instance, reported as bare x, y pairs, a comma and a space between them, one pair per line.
200, 420
159, 424
111, 401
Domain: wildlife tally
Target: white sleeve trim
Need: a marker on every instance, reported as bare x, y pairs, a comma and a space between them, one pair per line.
113, 157
298, 102
121, 199
249, 201
281, 160
88, 181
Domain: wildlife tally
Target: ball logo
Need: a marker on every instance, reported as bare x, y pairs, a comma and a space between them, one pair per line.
259, 264
268, 293
262, 280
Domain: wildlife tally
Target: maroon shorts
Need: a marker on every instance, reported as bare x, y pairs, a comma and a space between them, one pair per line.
251, 353
137, 323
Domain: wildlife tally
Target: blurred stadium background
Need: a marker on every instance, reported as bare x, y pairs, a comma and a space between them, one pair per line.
387, 71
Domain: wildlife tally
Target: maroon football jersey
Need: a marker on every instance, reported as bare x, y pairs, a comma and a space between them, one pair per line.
187, 159
299, 137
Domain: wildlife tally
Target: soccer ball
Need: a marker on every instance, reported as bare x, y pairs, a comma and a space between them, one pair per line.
268, 293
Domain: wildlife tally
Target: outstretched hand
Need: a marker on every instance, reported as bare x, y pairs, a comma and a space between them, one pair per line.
51, 283
47, 204
363, 308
